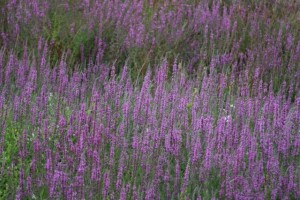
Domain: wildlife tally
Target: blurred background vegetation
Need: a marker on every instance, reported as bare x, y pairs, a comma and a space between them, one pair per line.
72, 29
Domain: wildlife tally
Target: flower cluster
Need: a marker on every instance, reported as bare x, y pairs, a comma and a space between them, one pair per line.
219, 121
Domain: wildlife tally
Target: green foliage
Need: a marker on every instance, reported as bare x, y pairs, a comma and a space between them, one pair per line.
82, 39
212, 186
10, 159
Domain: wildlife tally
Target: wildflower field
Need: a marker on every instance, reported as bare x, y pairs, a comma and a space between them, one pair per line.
154, 99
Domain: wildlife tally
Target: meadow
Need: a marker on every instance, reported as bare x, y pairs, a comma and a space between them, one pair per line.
130, 99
